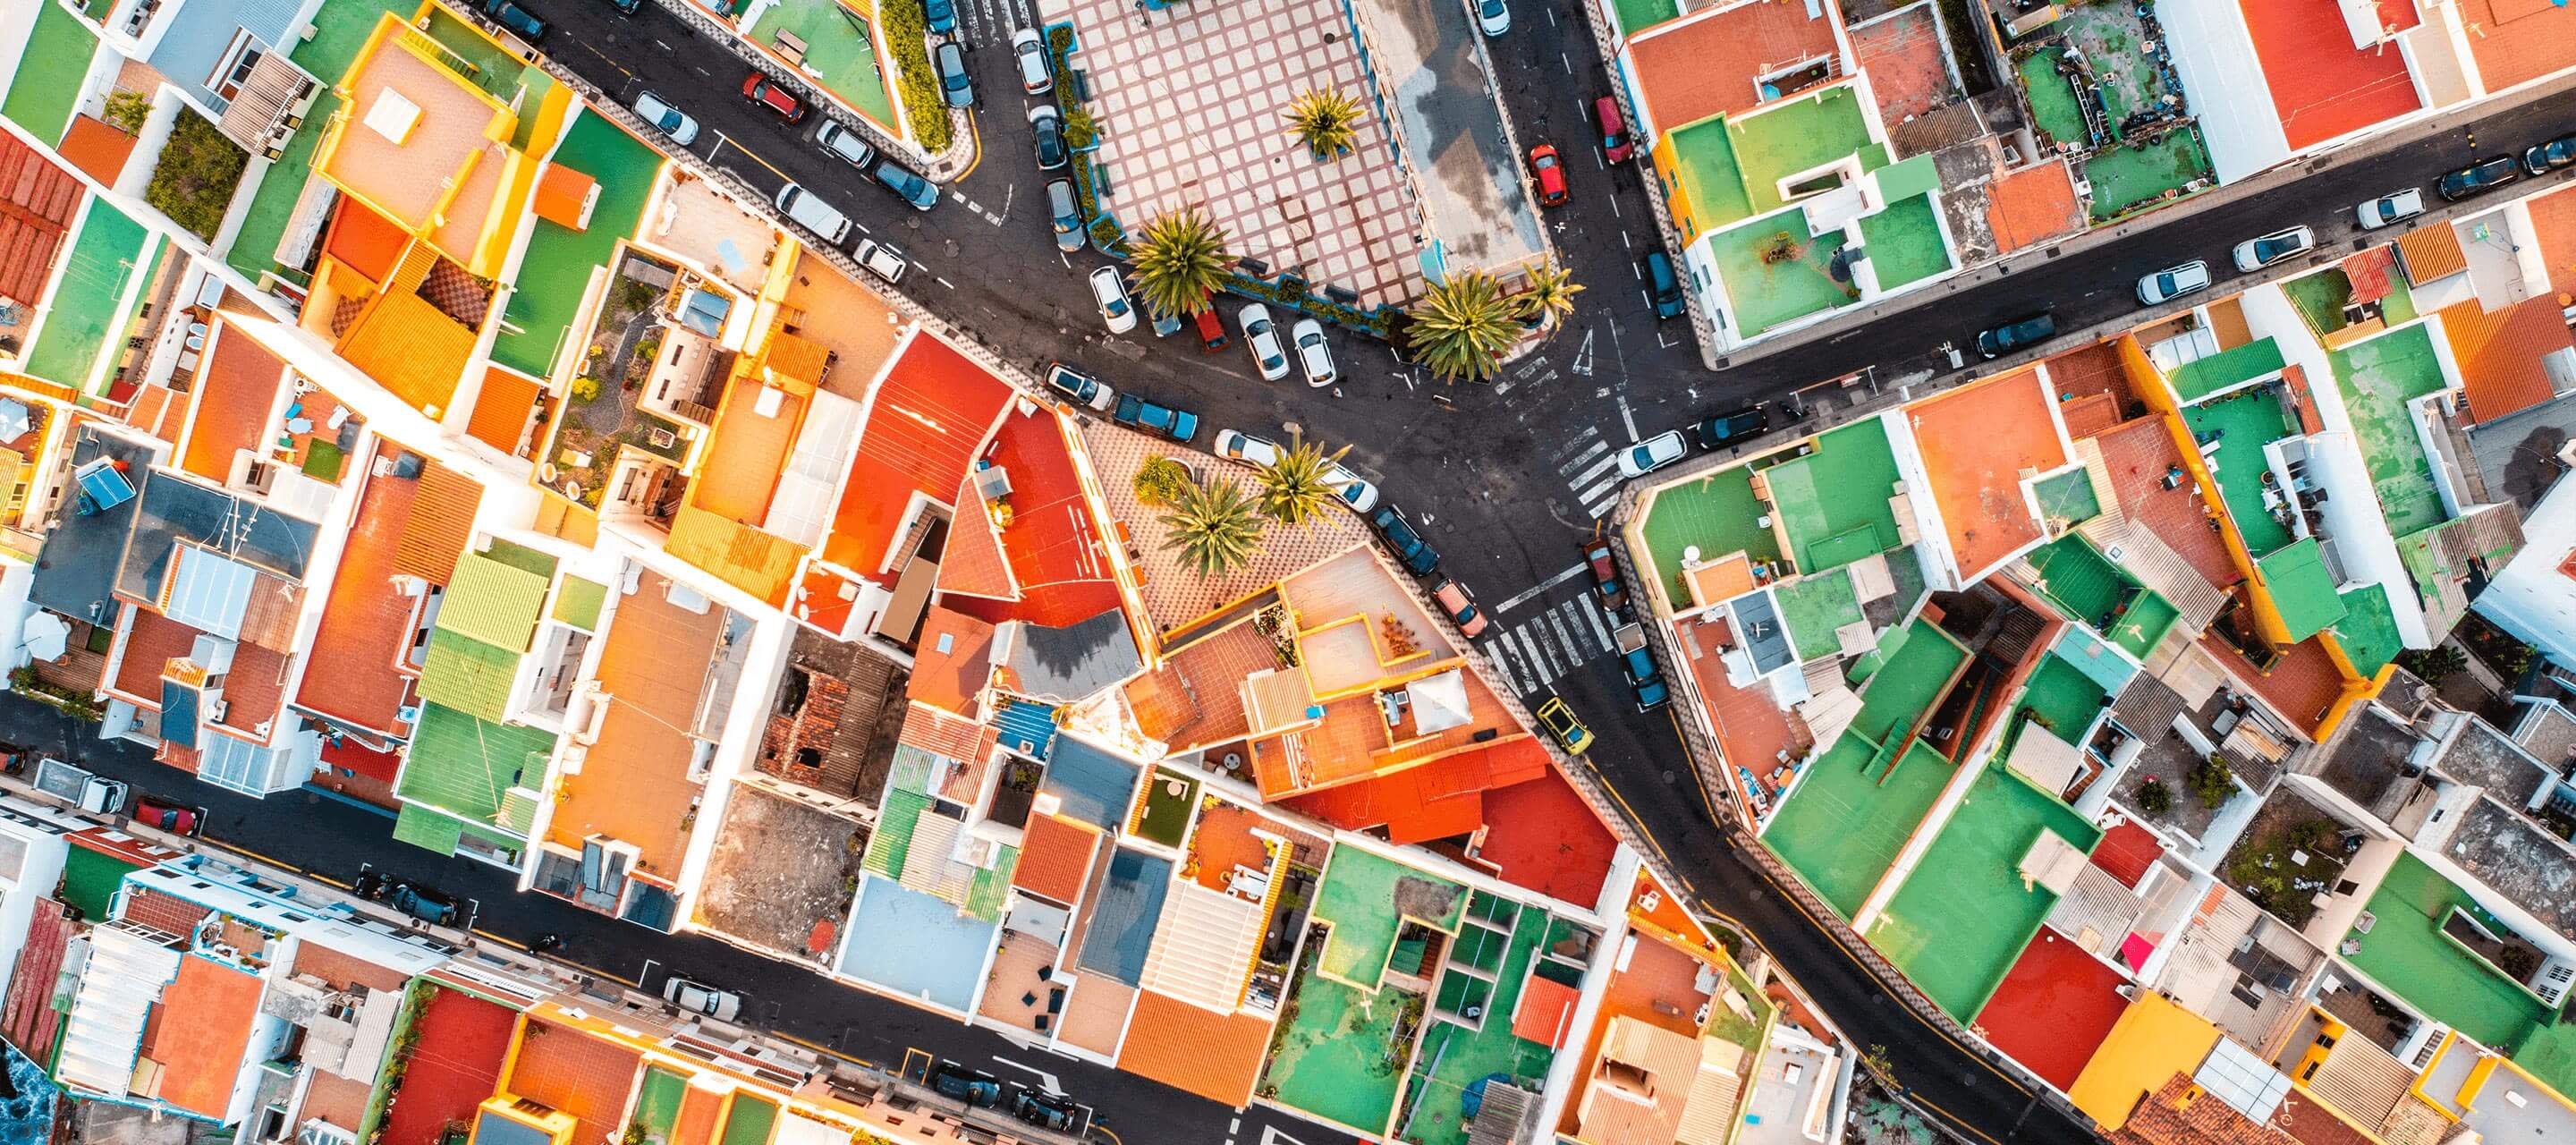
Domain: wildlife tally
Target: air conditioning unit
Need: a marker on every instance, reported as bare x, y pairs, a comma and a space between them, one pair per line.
408, 713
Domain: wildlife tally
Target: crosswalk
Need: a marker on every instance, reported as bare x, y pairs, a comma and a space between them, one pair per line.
1549, 643
1590, 466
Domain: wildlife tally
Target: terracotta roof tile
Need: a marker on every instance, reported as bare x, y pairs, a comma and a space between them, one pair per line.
2430, 253
1056, 857
944, 735
368, 242
972, 564
954, 664
2499, 353
2165, 1117
569, 1070
1215, 1056
366, 626
151, 642
236, 391
442, 519
1688, 70
926, 421
199, 1033
502, 409
37, 201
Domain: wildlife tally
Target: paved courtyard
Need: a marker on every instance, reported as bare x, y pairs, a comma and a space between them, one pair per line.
1192, 112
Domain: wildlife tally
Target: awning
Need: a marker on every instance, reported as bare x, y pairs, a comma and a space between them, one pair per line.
1439, 702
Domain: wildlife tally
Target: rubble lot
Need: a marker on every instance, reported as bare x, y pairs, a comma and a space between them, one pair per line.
783, 872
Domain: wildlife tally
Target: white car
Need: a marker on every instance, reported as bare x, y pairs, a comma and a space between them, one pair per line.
670, 120
2173, 282
1110, 291
2255, 254
846, 144
1261, 336
700, 998
881, 260
1237, 445
2396, 207
1030, 49
1357, 492
1652, 454
1493, 17
1314, 355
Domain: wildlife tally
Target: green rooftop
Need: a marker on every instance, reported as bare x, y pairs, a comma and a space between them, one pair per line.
109, 257
2379, 379
1911, 680
2240, 426
1360, 898
1706, 183
2205, 376
2068, 497
49, 74
1849, 815
1799, 135
468, 675
2062, 698
1833, 502
90, 879
1815, 607
557, 268
2368, 630
2135, 176
1904, 242
1638, 15
578, 603
1716, 513
1776, 271
2407, 952
492, 602
462, 765
1964, 914
2301, 588
272, 206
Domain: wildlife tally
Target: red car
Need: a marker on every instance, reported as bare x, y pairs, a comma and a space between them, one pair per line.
1212, 335
168, 817
769, 93
1550, 173
1616, 145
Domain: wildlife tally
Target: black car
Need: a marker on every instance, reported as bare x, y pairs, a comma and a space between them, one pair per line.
1047, 124
518, 20
420, 901
1416, 553
2542, 158
965, 1085
627, 6
2479, 178
1749, 422
2020, 335
1045, 1110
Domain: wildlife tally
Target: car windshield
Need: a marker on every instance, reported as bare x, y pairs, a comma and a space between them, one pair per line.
1117, 306
1544, 162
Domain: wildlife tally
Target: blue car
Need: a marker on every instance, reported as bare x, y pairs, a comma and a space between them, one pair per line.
1137, 413
940, 16
908, 186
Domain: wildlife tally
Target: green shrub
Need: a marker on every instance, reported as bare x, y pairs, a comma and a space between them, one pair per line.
126, 110
195, 178
2212, 781
2154, 797
1080, 127
924, 107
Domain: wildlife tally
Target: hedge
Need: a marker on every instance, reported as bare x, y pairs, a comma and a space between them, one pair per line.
1376, 323
925, 106
196, 175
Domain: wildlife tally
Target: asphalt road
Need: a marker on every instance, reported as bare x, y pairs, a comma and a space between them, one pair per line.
328, 837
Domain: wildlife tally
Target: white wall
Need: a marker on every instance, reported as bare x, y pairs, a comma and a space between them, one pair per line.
2223, 83
2531, 598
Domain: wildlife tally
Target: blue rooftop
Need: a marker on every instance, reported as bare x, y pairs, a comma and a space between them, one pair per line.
1094, 785
939, 956
1122, 925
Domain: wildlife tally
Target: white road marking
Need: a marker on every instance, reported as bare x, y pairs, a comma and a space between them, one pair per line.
1556, 620
1044, 1078
1627, 418
1542, 586
1598, 448
1600, 629
1598, 468
1597, 492
943, 282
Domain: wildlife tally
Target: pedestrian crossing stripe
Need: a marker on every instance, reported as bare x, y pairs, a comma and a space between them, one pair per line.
1549, 644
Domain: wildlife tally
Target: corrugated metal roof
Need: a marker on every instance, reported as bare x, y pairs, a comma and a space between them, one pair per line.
468, 675
1204, 946
493, 602
2499, 353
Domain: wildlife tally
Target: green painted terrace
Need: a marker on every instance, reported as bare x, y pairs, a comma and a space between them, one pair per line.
2379, 378
2062, 698
1366, 897
839, 49
2407, 952
1455, 1055
559, 262
1338, 1057
2245, 422
1855, 805
1730, 170
1776, 271
1833, 501
1904, 242
1815, 607
2368, 630
49, 76
2202, 377
1638, 15
1964, 914
96, 295
1716, 513
464, 766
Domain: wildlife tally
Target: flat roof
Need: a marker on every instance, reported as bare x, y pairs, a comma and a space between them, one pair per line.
2499, 352
366, 625
1713, 63
2407, 952
1833, 503
199, 1033
636, 787
1055, 550
575, 1072
2054, 1008
2553, 219
411, 129
2323, 86
2152, 1041
2524, 40
235, 394
1979, 443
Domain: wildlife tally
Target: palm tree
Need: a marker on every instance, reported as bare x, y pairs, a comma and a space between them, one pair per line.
1461, 328
1295, 489
1161, 482
1551, 293
1327, 122
1215, 528
1181, 260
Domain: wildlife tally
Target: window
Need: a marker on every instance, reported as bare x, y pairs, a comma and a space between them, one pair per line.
232, 69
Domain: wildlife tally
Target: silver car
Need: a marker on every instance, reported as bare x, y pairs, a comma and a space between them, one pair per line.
1357, 491
1652, 454
1067, 212
1261, 336
2255, 254
846, 144
669, 120
2394, 207
2174, 282
700, 998
1110, 291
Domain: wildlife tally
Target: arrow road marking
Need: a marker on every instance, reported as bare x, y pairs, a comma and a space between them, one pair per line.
1582, 364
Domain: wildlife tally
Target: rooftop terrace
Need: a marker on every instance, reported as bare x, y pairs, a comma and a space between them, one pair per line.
2053, 1009
1719, 64
1979, 443
2323, 87
2239, 426
1829, 501
2518, 858
2407, 952
560, 261
1729, 169
1962, 917
1715, 513
636, 787
413, 117
2380, 380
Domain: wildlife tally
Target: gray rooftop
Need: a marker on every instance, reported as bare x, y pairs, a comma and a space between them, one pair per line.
2519, 451
174, 510
2506, 850
2483, 756
79, 558
2548, 732
1071, 664
2366, 762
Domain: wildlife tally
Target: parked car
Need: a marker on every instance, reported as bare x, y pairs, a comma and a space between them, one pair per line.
666, 119
2394, 207
1663, 286
1046, 125
168, 817
1027, 46
846, 144
1136, 413
417, 900
906, 185
2173, 282
1645, 681
78, 786
1314, 355
1398, 533
769, 93
628, 7
1045, 1110
1606, 585
521, 22
1079, 388
1652, 454
955, 85
2478, 178
958, 1082
1066, 212
1493, 17
1616, 146
1110, 291
2017, 335
881, 260
1261, 336
1212, 335
1357, 491
1454, 600
2256, 253
694, 997
940, 16
2542, 158
1727, 428
1236, 445
1549, 172
1563, 727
